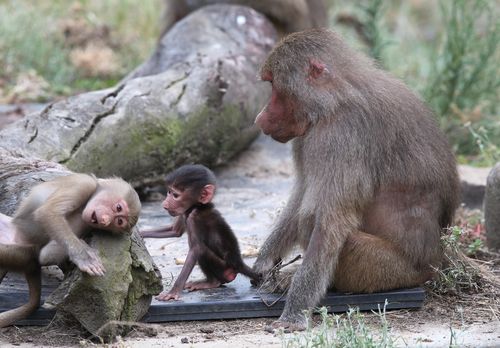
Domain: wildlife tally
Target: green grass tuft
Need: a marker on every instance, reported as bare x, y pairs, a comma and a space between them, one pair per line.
349, 330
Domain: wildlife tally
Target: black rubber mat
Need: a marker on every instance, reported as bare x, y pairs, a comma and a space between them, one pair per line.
236, 300
239, 300
14, 293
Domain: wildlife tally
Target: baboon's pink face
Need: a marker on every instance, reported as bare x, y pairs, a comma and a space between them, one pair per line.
278, 118
107, 212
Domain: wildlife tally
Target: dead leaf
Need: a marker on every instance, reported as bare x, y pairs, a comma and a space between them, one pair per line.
179, 260
250, 251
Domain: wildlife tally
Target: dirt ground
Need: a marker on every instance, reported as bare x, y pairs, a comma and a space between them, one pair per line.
252, 190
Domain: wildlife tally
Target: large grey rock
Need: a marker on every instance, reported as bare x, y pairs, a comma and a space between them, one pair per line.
197, 105
473, 182
124, 293
492, 208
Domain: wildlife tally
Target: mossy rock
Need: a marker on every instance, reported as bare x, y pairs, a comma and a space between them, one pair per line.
124, 293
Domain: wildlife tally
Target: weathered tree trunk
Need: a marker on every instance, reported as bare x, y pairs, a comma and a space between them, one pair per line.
19, 174
198, 104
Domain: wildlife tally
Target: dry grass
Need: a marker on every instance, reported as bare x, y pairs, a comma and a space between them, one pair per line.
474, 287
279, 278
94, 60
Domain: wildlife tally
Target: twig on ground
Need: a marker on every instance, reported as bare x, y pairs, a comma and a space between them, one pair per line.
273, 283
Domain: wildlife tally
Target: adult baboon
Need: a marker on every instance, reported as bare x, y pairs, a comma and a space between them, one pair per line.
376, 181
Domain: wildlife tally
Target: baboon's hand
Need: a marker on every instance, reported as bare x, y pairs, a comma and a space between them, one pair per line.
166, 296
87, 260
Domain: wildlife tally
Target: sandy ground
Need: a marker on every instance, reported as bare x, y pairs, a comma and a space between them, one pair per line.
427, 335
252, 190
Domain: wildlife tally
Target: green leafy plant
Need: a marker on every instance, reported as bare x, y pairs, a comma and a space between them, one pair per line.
349, 330
459, 274
474, 247
465, 88
366, 20
488, 150
373, 12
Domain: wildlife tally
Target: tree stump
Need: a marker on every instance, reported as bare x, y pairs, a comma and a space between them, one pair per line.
492, 208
